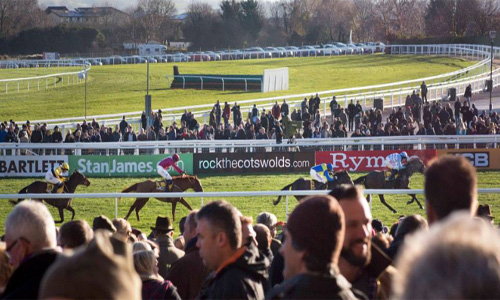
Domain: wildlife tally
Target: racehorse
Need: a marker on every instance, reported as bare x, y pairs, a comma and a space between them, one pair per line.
376, 180
180, 184
40, 187
302, 184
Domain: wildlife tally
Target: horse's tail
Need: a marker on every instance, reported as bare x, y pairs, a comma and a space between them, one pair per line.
131, 188
361, 180
286, 188
23, 191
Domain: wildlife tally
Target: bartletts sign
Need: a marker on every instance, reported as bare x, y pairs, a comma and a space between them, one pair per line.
29, 166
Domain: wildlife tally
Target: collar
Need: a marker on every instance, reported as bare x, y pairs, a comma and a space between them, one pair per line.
231, 260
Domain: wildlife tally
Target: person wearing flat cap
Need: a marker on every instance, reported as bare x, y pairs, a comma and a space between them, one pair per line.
484, 212
163, 232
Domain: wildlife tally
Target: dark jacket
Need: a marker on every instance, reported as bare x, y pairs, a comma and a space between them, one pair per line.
245, 278
156, 289
25, 281
308, 286
188, 273
168, 254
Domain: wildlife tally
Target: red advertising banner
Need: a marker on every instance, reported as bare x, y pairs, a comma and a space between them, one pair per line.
364, 161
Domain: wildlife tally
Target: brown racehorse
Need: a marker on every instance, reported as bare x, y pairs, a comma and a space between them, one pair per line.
40, 187
376, 180
180, 184
302, 184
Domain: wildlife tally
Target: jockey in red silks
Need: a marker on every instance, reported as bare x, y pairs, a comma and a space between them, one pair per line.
166, 163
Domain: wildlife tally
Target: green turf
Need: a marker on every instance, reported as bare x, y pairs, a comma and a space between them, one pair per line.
89, 208
117, 89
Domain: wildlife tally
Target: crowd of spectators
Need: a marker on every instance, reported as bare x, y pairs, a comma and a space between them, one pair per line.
458, 117
330, 248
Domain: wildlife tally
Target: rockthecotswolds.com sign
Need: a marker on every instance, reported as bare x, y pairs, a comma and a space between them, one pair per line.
225, 163
125, 165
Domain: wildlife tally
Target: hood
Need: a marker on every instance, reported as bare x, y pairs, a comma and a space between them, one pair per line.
254, 262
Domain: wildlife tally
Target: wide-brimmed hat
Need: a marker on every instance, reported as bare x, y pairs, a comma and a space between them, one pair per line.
163, 223
484, 210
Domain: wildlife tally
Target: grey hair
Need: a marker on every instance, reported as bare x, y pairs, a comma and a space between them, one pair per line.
267, 219
32, 221
459, 258
144, 262
141, 245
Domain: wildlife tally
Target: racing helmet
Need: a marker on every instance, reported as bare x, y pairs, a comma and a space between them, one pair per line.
65, 167
176, 157
329, 167
404, 155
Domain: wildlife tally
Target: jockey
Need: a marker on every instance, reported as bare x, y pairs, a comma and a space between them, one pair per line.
322, 171
55, 175
396, 162
168, 162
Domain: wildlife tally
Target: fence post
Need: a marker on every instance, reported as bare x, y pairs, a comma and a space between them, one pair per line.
286, 197
116, 208
201, 202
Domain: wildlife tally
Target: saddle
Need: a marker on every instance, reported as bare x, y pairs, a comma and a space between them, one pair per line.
162, 185
50, 188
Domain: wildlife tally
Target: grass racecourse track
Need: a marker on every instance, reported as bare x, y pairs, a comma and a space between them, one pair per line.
117, 89
89, 208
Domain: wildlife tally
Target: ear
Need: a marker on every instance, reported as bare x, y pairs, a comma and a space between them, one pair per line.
431, 214
221, 239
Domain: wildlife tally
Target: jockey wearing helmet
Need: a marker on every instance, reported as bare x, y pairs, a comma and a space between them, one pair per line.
322, 171
396, 162
55, 175
166, 163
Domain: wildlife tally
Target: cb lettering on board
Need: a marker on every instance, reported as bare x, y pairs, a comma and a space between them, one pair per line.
477, 159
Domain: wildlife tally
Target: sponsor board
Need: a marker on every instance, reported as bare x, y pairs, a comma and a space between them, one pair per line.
125, 165
29, 166
365, 161
488, 159
210, 163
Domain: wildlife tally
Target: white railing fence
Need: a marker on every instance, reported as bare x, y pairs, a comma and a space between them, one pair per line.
204, 195
229, 146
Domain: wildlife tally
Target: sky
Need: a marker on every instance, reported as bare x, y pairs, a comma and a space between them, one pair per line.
181, 5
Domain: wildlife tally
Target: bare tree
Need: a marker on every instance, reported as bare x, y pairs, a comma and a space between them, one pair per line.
156, 18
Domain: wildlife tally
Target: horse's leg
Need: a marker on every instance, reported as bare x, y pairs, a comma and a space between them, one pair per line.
131, 209
414, 198
382, 199
185, 203
72, 212
174, 205
61, 214
140, 205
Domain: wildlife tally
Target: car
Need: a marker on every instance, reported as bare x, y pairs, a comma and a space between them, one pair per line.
274, 52
288, 53
257, 52
151, 60
213, 55
343, 47
366, 48
307, 51
199, 56
135, 59
357, 49
180, 57
160, 58
330, 49
114, 60
294, 50
95, 62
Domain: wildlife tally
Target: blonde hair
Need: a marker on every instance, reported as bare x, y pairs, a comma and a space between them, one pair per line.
144, 264
122, 226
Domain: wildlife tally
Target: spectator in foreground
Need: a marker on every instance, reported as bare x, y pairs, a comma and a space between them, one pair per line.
450, 185
458, 258
74, 234
102, 270
163, 232
362, 263
238, 273
271, 222
189, 283
312, 254
5, 268
30, 237
153, 286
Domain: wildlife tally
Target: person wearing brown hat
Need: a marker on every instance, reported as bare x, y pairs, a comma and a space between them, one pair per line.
312, 253
102, 270
361, 262
163, 232
239, 272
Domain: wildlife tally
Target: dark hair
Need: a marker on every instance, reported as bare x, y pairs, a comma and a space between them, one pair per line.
450, 184
75, 233
323, 236
225, 217
181, 224
346, 192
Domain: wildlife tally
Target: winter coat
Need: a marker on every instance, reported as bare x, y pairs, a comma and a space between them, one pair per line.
243, 276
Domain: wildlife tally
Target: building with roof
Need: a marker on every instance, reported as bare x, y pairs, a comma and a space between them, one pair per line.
61, 14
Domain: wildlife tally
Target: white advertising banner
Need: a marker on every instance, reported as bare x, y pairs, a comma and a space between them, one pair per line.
275, 80
29, 166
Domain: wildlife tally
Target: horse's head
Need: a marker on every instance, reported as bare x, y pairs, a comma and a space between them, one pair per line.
342, 177
79, 178
197, 187
189, 182
415, 164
